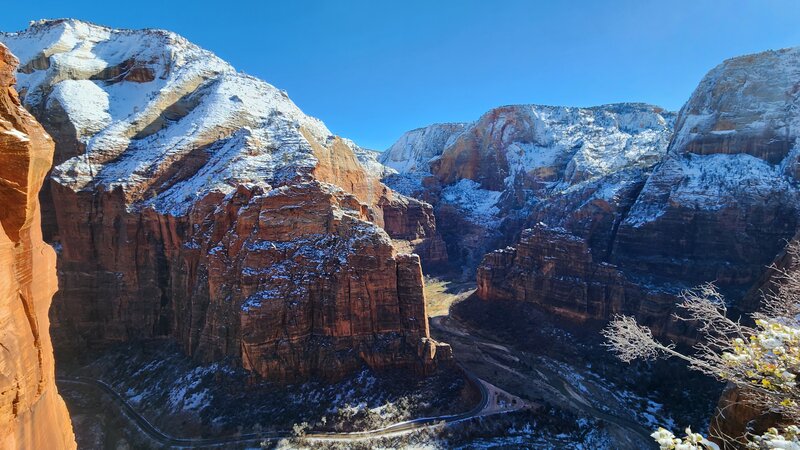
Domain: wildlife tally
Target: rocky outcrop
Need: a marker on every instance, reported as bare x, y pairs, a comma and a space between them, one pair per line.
735, 420
202, 204
416, 150
410, 222
556, 270
719, 207
32, 414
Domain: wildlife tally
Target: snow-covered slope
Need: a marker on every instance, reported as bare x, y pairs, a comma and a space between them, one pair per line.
552, 144
528, 161
719, 207
414, 150
543, 148
752, 98
370, 160
141, 100
727, 196
196, 202
409, 158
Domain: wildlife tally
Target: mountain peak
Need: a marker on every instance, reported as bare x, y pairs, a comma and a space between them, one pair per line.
142, 101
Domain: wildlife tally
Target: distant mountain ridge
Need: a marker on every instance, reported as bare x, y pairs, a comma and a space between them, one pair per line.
490, 177
617, 208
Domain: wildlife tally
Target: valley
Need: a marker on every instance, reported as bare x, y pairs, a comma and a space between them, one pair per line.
232, 274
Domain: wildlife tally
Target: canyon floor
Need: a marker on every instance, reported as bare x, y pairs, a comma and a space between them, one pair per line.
545, 385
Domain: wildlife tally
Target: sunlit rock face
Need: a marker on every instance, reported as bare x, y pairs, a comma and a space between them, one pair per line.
725, 200
193, 201
578, 168
32, 414
719, 206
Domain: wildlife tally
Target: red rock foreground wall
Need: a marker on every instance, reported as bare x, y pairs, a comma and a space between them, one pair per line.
32, 414
292, 283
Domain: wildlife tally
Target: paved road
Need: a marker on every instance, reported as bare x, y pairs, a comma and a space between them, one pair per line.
483, 408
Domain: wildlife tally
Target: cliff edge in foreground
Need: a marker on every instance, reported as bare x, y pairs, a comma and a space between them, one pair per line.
32, 414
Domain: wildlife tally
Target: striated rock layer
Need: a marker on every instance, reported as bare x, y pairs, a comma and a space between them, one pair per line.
555, 269
718, 207
192, 201
32, 414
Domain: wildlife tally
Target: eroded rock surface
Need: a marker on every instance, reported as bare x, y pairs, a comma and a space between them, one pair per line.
32, 414
515, 166
192, 201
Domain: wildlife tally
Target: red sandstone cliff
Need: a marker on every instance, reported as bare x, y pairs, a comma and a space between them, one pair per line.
519, 165
209, 208
32, 414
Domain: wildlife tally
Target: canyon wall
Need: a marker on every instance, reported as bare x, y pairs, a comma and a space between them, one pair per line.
32, 414
618, 208
718, 207
192, 201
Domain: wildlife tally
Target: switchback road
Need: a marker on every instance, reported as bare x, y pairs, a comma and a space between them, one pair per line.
490, 403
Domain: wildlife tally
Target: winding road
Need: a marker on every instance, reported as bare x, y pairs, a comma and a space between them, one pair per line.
488, 405
632, 433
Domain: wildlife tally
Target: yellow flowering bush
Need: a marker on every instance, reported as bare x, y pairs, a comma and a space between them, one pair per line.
787, 439
769, 359
692, 441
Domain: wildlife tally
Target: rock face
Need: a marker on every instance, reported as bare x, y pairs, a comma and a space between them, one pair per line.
413, 153
518, 165
410, 222
725, 200
555, 269
32, 414
719, 207
192, 201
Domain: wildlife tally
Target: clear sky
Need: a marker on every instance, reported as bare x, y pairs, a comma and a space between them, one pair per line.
373, 69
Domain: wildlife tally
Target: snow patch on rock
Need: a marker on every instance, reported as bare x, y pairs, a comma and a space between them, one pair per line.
479, 203
414, 150
85, 103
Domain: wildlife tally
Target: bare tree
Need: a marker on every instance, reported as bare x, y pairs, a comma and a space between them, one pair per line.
763, 361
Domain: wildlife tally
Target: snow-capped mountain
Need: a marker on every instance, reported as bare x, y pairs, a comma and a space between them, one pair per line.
415, 149
515, 161
727, 196
193, 201
552, 144
138, 101
718, 208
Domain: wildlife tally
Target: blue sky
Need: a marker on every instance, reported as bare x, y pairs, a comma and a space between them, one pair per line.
374, 69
